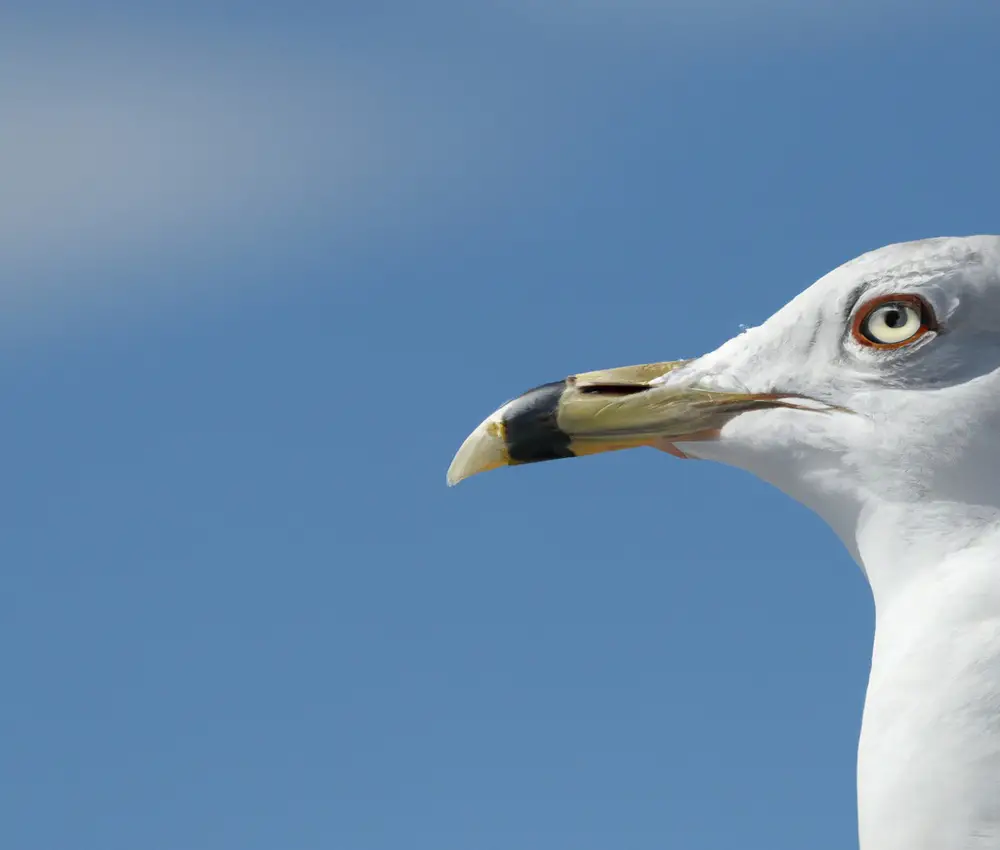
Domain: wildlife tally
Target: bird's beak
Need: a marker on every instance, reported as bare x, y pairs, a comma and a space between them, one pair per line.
600, 412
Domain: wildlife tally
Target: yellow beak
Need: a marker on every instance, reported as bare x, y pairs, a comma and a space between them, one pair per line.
599, 412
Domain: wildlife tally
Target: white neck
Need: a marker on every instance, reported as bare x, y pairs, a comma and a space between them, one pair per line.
929, 755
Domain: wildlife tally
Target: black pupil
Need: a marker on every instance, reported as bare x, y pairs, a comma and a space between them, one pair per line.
895, 318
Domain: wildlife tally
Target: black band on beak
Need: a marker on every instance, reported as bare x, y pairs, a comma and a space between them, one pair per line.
531, 428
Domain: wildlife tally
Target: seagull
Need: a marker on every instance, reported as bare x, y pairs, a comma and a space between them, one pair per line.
873, 398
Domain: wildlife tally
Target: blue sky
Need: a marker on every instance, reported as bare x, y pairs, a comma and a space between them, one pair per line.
263, 267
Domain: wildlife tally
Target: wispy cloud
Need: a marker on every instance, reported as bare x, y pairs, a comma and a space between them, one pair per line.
115, 157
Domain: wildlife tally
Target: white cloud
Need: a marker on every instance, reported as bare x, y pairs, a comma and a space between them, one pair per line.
115, 158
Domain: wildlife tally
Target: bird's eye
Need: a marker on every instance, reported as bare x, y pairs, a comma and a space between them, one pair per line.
893, 321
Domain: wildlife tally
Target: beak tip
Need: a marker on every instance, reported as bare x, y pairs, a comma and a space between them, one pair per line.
454, 475
482, 451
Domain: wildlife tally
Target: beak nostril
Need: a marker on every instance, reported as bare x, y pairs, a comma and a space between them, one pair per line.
612, 389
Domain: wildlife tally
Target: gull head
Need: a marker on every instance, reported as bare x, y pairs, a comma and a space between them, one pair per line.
881, 381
